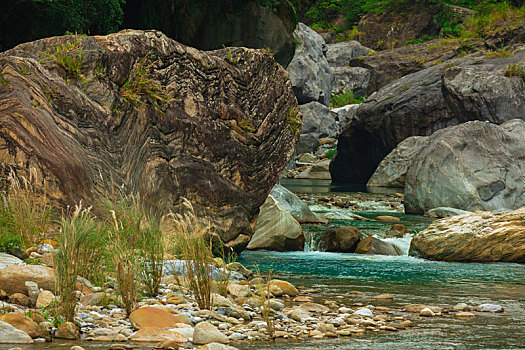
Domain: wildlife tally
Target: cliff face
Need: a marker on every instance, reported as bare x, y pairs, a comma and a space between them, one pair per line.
164, 120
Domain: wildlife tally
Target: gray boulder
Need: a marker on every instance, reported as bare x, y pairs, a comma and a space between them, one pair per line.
318, 122
472, 166
426, 101
276, 229
353, 79
374, 246
392, 170
294, 205
341, 54
310, 74
344, 116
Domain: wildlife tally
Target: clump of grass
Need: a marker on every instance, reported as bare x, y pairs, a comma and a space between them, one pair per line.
153, 253
141, 85
514, 70
2, 78
502, 52
266, 311
81, 245
190, 241
344, 99
293, 119
25, 210
69, 57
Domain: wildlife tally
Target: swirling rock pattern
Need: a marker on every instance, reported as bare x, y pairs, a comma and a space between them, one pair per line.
218, 132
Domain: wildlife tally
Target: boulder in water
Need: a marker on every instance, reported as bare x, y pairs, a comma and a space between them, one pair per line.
295, 206
343, 239
445, 212
374, 246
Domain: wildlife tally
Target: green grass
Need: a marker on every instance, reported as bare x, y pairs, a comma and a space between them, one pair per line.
344, 99
515, 70
69, 56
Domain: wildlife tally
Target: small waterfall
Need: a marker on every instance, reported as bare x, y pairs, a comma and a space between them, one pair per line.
403, 243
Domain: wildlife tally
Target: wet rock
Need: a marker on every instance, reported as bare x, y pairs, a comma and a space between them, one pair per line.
67, 330
444, 212
11, 335
387, 218
398, 230
310, 74
299, 314
393, 169
206, 333
472, 166
295, 206
375, 246
343, 239
490, 308
480, 236
238, 267
153, 317
154, 334
276, 229
22, 323
13, 278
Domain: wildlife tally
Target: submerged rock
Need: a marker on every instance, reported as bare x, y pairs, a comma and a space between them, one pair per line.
475, 237
276, 229
472, 166
211, 126
374, 246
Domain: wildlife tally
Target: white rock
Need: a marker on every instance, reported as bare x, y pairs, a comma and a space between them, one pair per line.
427, 312
364, 312
490, 308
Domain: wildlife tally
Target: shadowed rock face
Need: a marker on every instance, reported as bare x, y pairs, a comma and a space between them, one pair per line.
219, 137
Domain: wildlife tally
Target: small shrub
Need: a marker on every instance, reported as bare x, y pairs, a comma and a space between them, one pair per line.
346, 98
330, 153
69, 57
81, 243
190, 241
514, 70
141, 85
293, 119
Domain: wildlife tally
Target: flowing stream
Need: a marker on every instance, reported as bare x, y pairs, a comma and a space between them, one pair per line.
409, 280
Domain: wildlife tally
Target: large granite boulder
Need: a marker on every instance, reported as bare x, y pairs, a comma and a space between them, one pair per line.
294, 205
318, 122
343, 53
392, 170
420, 104
474, 237
310, 74
276, 229
138, 109
473, 166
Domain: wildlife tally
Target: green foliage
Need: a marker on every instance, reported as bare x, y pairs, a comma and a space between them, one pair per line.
141, 85
69, 57
330, 153
51, 314
344, 99
501, 52
293, 120
515, 70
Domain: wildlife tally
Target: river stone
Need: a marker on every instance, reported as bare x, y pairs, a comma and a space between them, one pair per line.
20, 299
8, 260
318, 122
427, 312
464, 314
67, 330
217, 346
239, 290
13, 278
11, 335
221, 136
392, 170
416, 308
364, 312
154, 318
205, 333
374, 246
310, 74
219, 300
475, 237
154, 334
22, 323
239, 268
398, 230
314, 307
93, 298
342, 239
444, 212
341, 54
285, 287
295, 206
307, 158
490, 308
276, 229
299, 314
319, 171
472, 166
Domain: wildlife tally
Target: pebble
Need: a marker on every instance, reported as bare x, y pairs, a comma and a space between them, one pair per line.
427, 312
490, 308
465, 314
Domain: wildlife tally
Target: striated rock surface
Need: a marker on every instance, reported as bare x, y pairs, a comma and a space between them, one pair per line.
420, 104
475, 237
276, 229
392, 170
472, 166
310, 74
166, 120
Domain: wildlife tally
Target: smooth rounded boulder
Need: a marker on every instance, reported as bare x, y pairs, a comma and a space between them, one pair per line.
13, 278
374, 246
